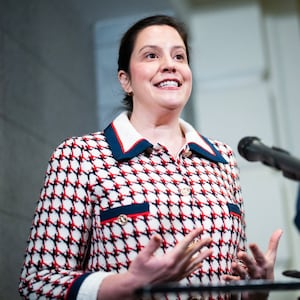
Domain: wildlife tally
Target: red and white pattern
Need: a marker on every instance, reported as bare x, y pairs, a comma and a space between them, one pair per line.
114, 205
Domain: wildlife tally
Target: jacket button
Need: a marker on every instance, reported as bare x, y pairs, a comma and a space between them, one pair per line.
185, 191
122, 219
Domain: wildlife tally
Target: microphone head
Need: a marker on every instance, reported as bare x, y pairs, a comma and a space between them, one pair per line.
244, 143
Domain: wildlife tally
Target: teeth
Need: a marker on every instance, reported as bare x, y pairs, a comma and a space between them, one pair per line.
168, 83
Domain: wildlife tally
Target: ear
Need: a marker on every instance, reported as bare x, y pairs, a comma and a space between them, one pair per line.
125, 81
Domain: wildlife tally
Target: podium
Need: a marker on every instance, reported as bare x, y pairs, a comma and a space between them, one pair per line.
205, 290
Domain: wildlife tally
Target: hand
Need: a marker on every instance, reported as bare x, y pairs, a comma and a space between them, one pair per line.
146, 268
181, 261
260, 266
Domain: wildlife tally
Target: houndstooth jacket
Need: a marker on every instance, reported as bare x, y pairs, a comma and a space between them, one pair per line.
105, 194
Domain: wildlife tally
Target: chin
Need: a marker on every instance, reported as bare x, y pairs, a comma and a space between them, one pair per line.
173, 106
175, 103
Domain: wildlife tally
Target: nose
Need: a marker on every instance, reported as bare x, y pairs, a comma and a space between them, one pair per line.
168, 65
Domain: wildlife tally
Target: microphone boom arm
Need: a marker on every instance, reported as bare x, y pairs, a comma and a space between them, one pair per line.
253, 150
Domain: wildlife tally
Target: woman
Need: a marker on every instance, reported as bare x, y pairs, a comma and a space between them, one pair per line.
148, 200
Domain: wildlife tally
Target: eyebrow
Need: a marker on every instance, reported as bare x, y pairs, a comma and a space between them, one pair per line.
158, 47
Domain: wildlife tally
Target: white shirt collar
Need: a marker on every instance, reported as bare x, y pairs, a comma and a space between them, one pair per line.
126, 142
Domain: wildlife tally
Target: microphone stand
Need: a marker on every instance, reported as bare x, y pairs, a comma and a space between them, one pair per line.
252, 149
291, 168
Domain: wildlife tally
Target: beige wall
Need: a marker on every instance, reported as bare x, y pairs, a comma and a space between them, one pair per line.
46, 94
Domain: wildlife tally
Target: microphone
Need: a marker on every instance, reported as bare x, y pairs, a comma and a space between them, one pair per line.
252, 149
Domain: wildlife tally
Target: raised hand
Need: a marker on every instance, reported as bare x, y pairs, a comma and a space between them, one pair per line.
178, 263
148, 268
257, 266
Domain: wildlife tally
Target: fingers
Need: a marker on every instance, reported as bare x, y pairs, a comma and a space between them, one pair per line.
192, 252
192, 243
189, 239
271, 253
189, 270
273, 244
152, 246
258, 259
185, 258
257, 266
191, 246
257, 254
192, 260
197, 254
239, 270
254, 269
262, 265
231, 277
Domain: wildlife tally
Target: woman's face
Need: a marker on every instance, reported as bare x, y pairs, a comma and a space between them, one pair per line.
160, 76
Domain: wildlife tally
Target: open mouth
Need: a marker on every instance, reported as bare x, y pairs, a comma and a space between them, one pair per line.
168, 83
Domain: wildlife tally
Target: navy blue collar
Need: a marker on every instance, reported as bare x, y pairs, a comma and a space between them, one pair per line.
126, 143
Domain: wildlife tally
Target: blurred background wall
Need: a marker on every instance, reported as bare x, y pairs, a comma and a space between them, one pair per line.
58, 79
47, 92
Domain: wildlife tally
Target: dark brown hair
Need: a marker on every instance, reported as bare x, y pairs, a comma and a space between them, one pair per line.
129, 38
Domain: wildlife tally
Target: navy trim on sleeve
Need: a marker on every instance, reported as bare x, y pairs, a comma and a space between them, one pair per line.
73, 291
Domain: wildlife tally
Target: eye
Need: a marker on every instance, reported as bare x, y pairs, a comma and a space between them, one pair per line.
151, 55
180, 57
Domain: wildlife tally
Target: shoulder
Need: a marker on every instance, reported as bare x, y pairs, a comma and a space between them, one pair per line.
225, 150
85, 141
75, 145
222, 147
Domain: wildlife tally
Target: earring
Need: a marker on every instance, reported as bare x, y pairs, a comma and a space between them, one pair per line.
130, 94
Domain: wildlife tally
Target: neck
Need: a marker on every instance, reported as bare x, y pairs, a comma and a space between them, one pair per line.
165, 131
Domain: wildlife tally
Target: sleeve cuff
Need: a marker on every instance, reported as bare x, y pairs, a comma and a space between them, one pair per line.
89, 287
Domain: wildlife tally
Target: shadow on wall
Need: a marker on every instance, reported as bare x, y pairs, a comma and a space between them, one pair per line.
47, 93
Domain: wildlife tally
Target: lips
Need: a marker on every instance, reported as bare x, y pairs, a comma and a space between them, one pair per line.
169, 83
